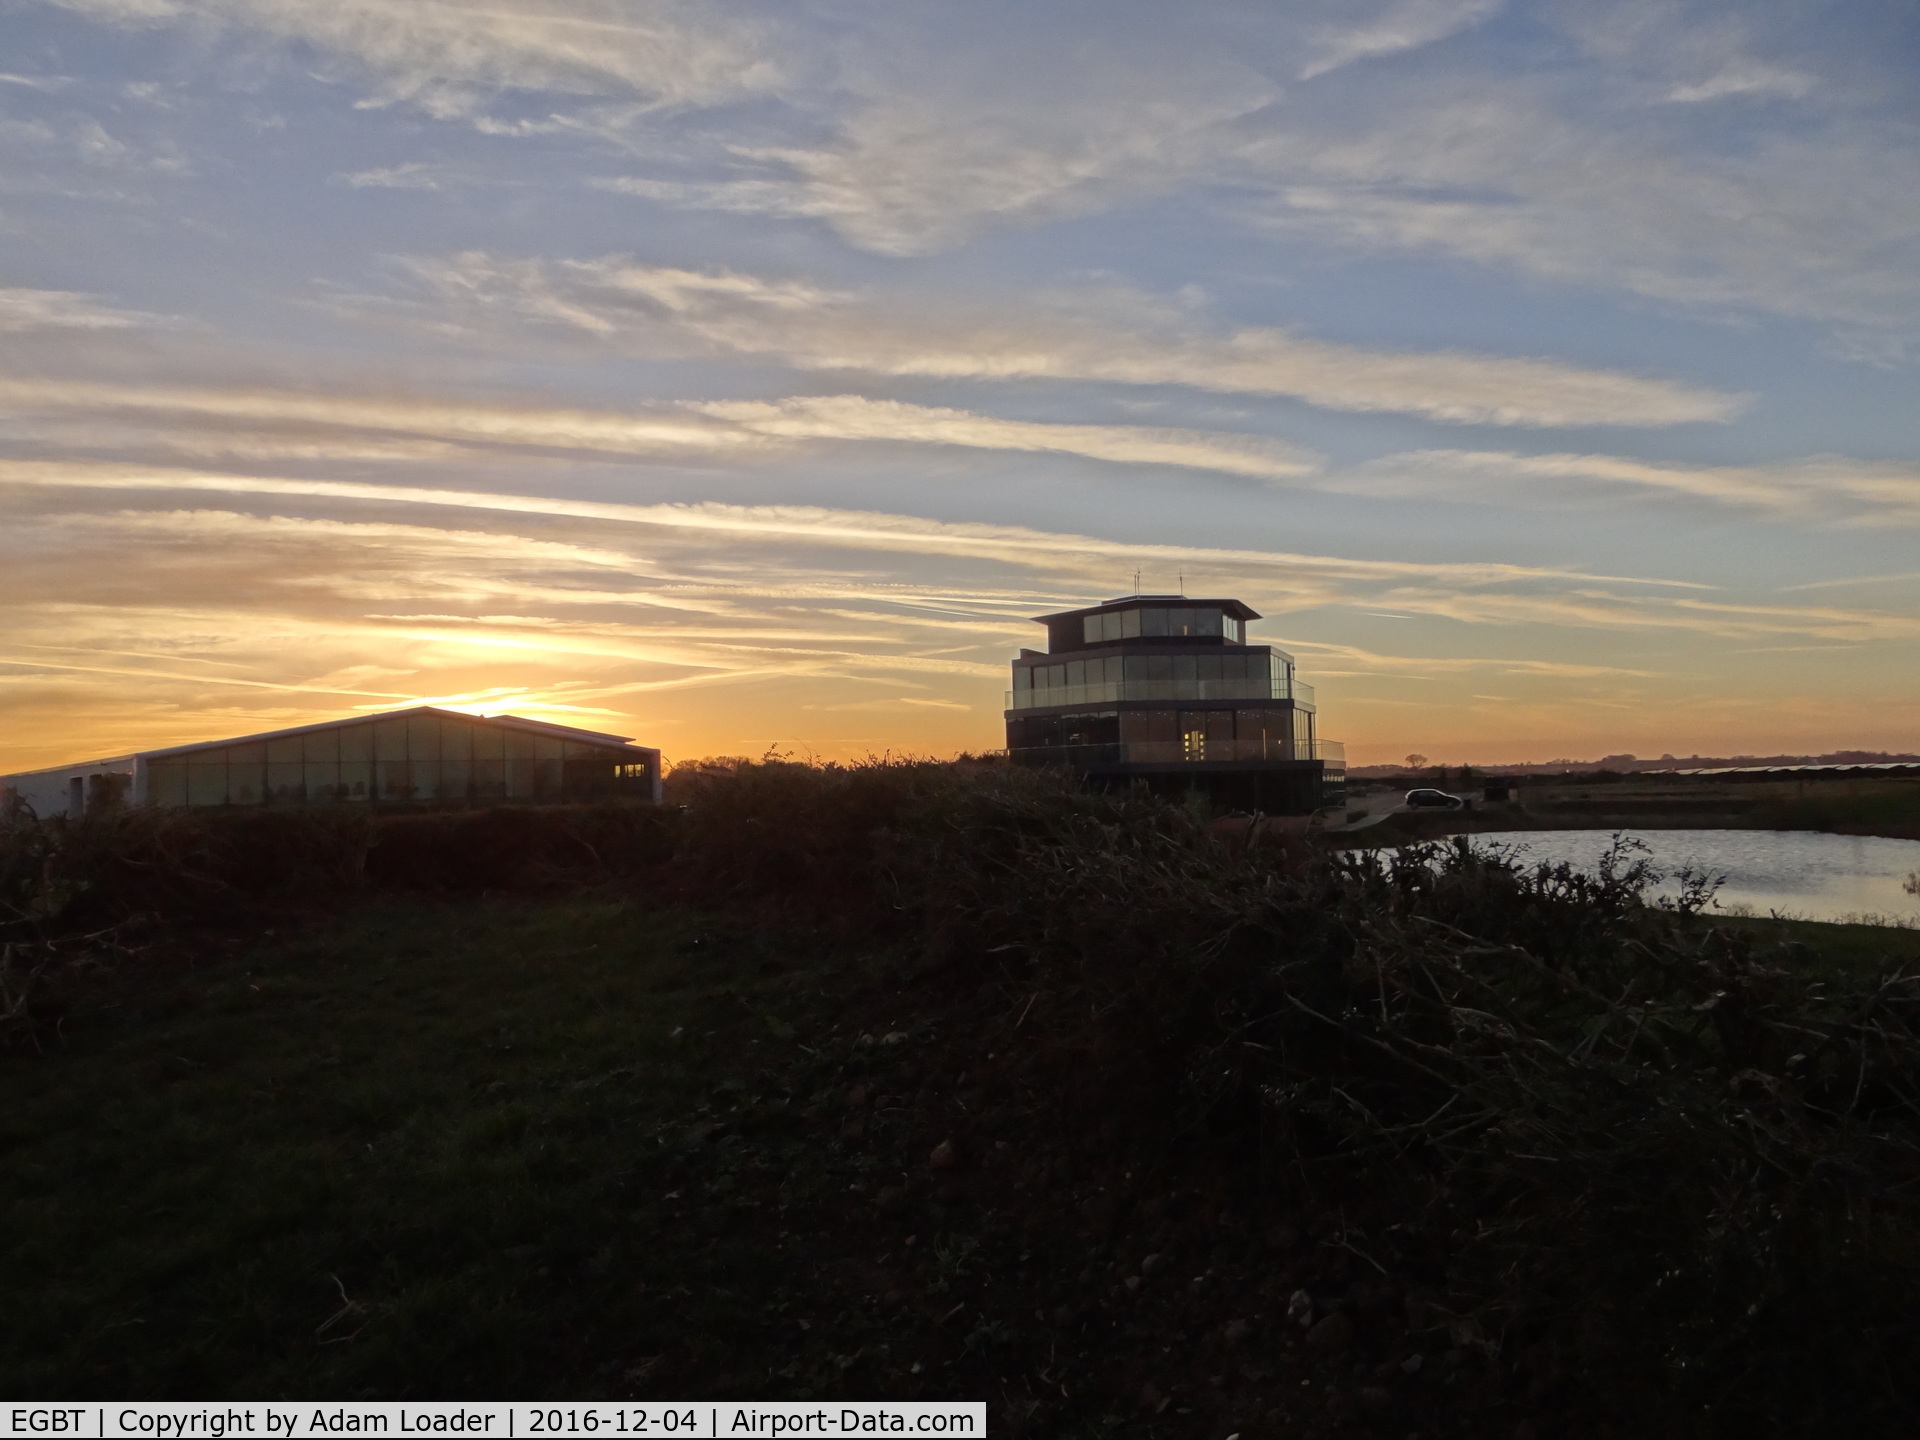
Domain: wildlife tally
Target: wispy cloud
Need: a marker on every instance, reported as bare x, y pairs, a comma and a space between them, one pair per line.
500, 424
1116, 337
851, 417
448, 55
22, 310
1327, 658
1403, 25
1508, 180
1744, 79
532, 601
1479, 593
1273, 241
67, 150
307, 424
414, 175
517, 601
1831, 488
252, 425
908, 142
159, 617
37, 82
1693, 55
929, 158
1851, 580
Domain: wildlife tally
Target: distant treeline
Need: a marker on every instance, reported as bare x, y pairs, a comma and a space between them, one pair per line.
1632, 764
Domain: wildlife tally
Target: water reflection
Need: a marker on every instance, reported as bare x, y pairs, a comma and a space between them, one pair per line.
1800, 873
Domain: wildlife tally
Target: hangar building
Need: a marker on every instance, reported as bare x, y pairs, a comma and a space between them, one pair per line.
422, 755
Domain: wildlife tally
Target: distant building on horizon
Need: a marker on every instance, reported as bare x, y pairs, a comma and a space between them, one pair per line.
421, 755
1165, 691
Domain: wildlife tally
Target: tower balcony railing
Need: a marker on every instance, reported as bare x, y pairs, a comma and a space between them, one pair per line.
1172, 692
1192, 750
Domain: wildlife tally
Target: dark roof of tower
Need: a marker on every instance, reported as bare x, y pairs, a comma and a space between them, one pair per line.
1235, 608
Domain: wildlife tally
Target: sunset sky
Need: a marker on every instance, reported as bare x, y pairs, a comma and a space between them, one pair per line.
736, 375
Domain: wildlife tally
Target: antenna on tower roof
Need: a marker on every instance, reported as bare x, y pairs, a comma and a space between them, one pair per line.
1183, 582
1136, 582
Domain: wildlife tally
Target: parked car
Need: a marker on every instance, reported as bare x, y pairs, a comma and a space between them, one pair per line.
1433, 800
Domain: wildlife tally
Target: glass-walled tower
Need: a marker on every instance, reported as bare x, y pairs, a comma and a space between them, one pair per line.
1166, 691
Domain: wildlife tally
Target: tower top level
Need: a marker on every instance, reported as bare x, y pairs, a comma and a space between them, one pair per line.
1173, 619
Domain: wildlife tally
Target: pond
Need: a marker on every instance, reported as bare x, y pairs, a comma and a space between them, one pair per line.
1803, 874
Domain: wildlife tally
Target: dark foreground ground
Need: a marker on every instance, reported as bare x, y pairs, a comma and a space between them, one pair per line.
615, 1143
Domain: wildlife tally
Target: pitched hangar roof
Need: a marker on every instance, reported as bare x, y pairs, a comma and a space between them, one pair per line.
511, 722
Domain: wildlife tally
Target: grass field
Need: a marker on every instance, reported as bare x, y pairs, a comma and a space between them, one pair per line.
1887, 806
391, 1151
1020, 1143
